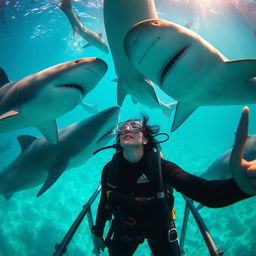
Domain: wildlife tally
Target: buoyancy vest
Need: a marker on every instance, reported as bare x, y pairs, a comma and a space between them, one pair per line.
164, 208
163, 192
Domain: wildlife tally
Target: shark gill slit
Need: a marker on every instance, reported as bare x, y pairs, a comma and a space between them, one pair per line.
171, 63
148, 48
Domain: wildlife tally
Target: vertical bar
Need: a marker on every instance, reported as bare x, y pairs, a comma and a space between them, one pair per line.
203, 229
62, 247
184, 229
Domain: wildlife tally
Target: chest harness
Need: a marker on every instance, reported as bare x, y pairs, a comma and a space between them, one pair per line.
163, 193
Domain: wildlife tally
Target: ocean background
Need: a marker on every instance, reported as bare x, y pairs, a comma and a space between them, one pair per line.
35, 35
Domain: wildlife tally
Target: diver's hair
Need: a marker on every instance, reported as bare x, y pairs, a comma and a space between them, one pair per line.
149, 132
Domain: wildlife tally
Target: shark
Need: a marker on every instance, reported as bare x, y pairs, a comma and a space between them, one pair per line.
220, 168
41, 162
93, 39
119, 16
38, 99
188, 68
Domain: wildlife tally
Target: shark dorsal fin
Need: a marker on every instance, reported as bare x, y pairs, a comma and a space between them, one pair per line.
121, 94
183, 111
3, 78
54, 173
25, 141
49, 130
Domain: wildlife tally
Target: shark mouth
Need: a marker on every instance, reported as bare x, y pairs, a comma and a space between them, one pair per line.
107, 134
75, 86
171, 63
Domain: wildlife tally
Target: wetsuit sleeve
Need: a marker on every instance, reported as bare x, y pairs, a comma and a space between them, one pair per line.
103, 213
211, 193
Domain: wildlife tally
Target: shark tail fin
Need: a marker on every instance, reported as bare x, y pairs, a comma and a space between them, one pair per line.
169, 109
54, 174
3, 77
183, 111
244, 69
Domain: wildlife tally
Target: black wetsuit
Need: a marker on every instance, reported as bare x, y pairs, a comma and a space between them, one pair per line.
134, 181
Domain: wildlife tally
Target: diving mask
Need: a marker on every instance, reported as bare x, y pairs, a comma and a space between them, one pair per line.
135, 125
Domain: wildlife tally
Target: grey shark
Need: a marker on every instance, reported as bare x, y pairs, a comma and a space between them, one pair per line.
91, 37
41, 162
37, 100
220, 168
119, 16
188, 68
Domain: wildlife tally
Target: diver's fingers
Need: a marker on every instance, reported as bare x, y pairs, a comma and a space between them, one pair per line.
240, 168
241, 136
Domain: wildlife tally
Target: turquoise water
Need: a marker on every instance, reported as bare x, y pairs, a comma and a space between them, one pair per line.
35, 35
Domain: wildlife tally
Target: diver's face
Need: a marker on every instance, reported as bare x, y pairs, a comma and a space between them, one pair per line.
129, 138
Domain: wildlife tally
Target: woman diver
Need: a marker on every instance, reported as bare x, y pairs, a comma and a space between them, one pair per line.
130, 192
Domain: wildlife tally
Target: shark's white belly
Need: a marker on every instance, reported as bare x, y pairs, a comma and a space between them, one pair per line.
44, 106
119, 17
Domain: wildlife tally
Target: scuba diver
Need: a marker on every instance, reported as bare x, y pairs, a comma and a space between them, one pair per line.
139, 198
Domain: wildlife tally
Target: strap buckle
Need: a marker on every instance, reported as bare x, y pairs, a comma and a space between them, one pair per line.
172, 235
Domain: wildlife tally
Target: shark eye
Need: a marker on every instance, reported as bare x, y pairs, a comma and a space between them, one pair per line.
77, 61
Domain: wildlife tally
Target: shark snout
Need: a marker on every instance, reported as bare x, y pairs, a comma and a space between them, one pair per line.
82, 74
141, 45
97, 66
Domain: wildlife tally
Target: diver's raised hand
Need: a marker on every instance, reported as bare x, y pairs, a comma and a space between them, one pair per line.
244, 172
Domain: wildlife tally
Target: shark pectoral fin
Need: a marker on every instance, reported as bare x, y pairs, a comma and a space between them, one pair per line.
9, 114
121, 94
168, 109
49, 130
25, 141
87, 45
183, 111
54, 174
243, 68
149, 88
3, 77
